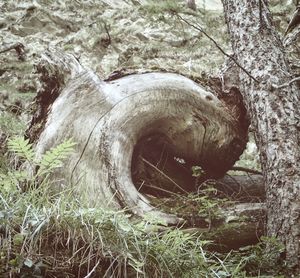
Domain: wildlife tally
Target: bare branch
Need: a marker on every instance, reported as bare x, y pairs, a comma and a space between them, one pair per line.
200, 29
286, 84
247, 170
19, 47
291, 37
108, 35
163, 174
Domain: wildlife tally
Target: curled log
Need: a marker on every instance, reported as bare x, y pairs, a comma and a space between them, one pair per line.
108, 119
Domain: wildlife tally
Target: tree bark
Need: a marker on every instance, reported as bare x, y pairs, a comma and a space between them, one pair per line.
274, 115
108, 119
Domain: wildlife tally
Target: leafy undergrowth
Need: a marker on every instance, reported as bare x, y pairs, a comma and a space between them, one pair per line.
56, 236
61, 237
48, 234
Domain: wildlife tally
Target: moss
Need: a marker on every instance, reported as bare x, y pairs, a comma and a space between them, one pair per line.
68, 47
11, 125
197, 210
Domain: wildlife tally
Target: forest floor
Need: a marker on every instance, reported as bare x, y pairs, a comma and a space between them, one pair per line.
107, 36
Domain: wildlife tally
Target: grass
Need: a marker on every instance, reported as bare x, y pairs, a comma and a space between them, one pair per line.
44, 233
10, 124
57, 236
48, 234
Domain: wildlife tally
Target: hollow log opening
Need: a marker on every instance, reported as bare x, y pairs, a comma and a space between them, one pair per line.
157, 171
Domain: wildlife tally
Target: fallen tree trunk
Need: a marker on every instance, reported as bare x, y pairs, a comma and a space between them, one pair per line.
234, 227
244, 188
244, 225
108, 119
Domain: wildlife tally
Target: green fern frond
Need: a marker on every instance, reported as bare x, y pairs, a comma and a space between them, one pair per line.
11, 181
21, 147
54, 157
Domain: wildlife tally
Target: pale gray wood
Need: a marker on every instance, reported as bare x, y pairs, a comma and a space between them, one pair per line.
107, 119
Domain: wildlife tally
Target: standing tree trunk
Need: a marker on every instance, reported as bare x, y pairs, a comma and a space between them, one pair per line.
274, 112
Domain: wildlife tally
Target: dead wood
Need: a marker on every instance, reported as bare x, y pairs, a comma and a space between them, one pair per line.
243, 188
237, 226
109, 119
18, 47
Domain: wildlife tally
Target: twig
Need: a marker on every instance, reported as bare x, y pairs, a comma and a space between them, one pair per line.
107, 32
19, 47
286, 84
140, 187
161, 189
91, 272
4, 202
200, 29
247, 170
260, 12
164, 175
291, 37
